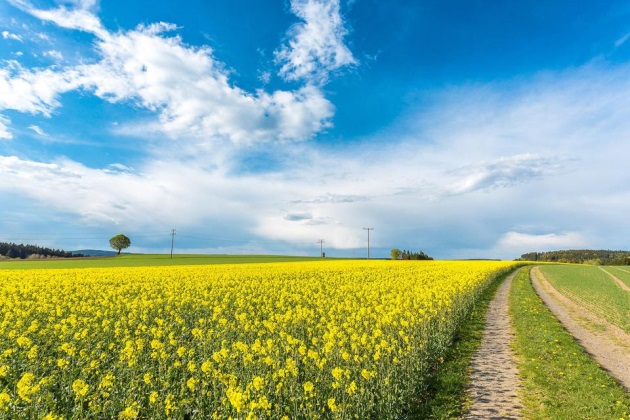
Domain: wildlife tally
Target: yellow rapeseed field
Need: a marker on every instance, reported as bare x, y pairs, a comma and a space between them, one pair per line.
334, 339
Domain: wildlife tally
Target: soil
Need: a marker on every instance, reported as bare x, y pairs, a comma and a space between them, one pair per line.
495, 381
608, 344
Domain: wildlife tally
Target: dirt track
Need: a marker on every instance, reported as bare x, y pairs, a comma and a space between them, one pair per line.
494, 377
606, 343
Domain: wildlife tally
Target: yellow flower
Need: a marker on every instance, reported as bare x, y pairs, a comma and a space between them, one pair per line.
333, 405
4, 400
337, 373
192, 383
80, 388
27, 387
129, 412
308, 386
236, 398
153, 397
258, 383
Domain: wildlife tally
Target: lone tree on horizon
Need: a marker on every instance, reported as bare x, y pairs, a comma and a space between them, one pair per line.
119, 242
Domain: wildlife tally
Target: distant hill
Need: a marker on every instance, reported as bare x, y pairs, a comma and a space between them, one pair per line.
580, 256
96, 253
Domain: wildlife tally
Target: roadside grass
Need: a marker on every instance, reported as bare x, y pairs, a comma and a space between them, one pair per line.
590, 287
446, 395
143, 260
560, 380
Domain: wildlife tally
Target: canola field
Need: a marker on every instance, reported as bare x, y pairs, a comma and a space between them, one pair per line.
340, 339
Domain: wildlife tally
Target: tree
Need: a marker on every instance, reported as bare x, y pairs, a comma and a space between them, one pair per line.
395, 253
119, 242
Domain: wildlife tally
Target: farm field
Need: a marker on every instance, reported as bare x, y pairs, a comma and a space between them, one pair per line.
622, 273
146, 260
339, 339
560, 380
593, 289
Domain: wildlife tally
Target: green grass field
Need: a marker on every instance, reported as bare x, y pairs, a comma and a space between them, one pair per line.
143, 260
622, 273
560, 380
593, 289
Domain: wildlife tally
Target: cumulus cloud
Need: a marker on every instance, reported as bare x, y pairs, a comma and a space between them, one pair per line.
34, 91
186, 86
9, 35
315, 47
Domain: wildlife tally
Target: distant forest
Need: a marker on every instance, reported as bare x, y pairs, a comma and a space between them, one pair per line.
581, 256
10, 250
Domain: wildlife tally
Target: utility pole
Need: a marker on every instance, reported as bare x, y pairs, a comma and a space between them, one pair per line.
368, 229
172, 241
321, 247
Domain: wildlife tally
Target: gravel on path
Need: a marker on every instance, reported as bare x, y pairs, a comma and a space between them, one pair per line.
495, 380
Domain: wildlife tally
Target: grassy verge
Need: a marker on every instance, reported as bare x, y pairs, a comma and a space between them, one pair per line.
446, 396
560, 380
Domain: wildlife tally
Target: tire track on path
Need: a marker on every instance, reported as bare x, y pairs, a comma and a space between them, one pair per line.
619, 282
494, 375
608, 344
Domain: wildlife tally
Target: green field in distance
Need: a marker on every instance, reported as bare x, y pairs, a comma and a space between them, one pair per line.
143, 260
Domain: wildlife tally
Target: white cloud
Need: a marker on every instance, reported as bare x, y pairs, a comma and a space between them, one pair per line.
520, 243
34, 92
5, 134
83, 4
503, 172
184, 85
38, 130
316, 47
80, 19
622, 40
54, 54
9, 35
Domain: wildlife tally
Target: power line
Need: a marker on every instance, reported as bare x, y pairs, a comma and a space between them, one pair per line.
368, 230
321, 247
172, 241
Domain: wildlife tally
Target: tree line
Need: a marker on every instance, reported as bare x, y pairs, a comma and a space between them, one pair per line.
580, 256
397, 254
11, 250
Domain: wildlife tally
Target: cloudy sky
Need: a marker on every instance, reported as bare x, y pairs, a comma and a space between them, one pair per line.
464, 129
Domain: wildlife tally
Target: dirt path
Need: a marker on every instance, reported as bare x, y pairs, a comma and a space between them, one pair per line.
619, 282
494, 377
608, 344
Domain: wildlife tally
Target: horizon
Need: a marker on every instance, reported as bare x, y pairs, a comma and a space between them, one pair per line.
464, 130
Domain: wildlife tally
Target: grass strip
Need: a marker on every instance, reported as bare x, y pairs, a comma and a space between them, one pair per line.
446, 394
560, 380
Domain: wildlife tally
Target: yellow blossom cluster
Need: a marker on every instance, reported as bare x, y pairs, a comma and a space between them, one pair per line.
335, 339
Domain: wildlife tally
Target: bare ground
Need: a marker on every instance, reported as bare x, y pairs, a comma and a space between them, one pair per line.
495, 381
608, 344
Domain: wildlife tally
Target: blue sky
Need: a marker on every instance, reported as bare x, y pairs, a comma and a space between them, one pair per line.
464, 129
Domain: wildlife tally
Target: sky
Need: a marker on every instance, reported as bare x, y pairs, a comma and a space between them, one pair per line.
463, 129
